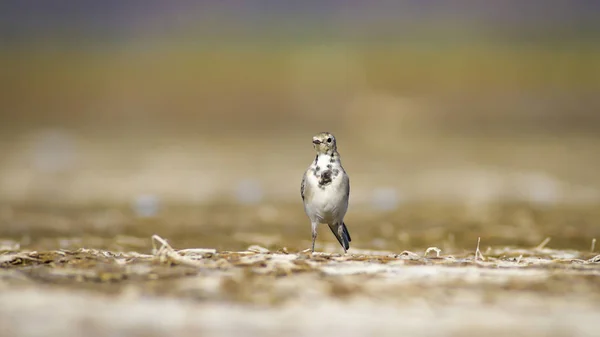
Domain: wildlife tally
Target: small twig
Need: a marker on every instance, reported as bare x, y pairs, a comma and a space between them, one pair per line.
433, 249
190, 257
543, 244
164, 245
258, 249
197, 251
410, 255
519, 259
478, 252
11, 257
593, 245
166, 253
594, 259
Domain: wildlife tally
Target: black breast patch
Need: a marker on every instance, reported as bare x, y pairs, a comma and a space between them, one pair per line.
326, 177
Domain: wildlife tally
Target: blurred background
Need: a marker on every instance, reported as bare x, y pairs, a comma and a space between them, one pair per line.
183, 111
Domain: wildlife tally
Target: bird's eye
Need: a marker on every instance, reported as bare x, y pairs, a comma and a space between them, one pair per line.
328, 140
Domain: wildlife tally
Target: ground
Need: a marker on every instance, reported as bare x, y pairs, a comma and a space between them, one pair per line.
128, 283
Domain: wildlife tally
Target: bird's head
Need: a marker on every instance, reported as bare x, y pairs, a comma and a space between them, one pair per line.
324, 143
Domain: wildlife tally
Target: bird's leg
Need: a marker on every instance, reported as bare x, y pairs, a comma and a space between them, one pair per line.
314, 235
340, 230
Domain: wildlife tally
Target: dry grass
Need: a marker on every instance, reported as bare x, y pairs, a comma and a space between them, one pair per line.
253, 282
259, 267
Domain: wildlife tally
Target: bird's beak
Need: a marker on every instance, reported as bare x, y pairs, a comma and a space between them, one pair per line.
316, 141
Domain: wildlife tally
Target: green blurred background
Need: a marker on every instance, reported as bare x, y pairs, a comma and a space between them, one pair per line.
150, 103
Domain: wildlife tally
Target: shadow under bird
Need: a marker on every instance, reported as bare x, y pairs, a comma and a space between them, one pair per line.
325, 190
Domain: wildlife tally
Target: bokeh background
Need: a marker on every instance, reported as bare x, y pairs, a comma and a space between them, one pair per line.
454, 119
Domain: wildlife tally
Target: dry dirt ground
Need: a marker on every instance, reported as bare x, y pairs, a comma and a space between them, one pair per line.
262, 292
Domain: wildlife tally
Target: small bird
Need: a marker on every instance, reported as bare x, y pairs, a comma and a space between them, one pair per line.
325, 190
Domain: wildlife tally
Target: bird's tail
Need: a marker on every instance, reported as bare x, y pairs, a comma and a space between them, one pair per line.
345, 239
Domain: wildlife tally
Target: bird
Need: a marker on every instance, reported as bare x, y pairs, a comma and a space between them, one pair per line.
325, 190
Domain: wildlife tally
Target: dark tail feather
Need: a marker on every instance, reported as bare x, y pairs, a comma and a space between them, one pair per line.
345, 239
346, 232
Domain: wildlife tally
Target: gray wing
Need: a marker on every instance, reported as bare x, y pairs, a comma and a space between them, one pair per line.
347, 185
302, 185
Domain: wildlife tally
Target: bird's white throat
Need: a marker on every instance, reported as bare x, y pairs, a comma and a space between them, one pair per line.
327, 161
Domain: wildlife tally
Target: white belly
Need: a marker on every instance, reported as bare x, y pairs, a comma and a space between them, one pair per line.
328, 205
